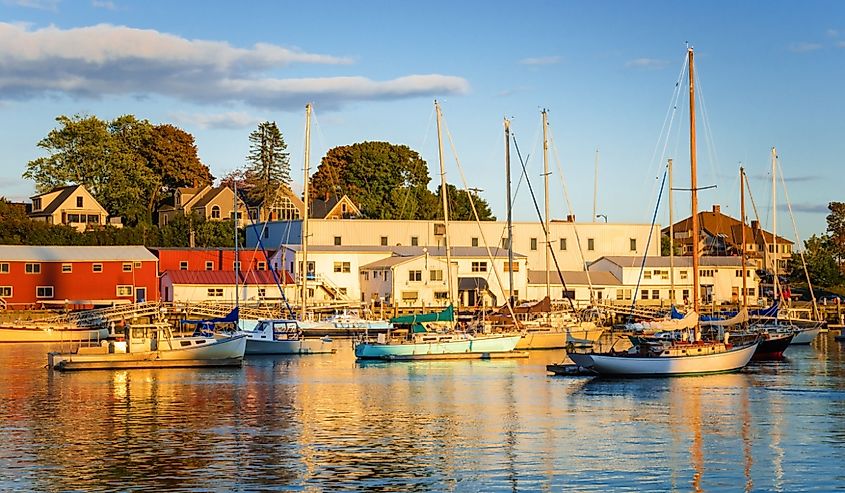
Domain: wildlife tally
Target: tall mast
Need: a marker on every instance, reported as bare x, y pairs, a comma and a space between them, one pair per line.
445, 198
775, 280
742, 253
306, 178
671, 241
694, 188
546, 183
595, 184
235, 228
508, 205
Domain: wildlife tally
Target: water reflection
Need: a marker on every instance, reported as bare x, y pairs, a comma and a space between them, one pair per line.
327, 423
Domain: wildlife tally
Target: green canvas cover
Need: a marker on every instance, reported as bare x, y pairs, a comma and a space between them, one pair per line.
447, 315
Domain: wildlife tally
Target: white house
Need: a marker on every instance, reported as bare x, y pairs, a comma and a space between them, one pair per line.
189, 286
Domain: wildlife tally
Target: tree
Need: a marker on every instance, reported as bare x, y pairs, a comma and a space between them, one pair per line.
269, 164
172, 156
821, 264
460, 208
666, 244
836, 230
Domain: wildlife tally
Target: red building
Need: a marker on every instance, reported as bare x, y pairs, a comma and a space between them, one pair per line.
196, 259
76, 276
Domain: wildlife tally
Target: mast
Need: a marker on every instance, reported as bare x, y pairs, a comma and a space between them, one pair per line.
235, 228
671, 241
775, 280
305, 173
742, 253
546, 183
445, 197
694, 190
595, 184
508, 205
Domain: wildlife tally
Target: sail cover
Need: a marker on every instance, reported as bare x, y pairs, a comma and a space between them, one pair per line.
689, 321
447, 315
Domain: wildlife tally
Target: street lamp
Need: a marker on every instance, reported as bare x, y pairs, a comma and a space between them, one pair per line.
602, 216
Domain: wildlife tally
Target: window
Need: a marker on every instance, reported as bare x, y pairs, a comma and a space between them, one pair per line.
623, 294
414, 275
236, 265
479, 266
533, 244
664, 274
4, 268
633, 244
738, 273
36, 204
366, 275
215, 212
74, 218
183, 265
706, 272
383, 241
67, 268
474, 241
124, 290
655, 294
93, 219
96, 267
563, 243
79, 202
209, 265
262, 292
215, 292
44, 291
684, 274
441, 295
337, 241
506, 266
644, 294
440, 229
137, 265
5, 291
591, 244
409, 295
261, 265
750, 291
646, 274
505, 243
686, 295
127, 267
415, 241
436, 275
32, 268
344, 267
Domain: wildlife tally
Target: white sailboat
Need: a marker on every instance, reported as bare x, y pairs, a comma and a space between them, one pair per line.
675, 357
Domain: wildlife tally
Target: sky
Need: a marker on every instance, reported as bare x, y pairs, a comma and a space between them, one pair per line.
769, 74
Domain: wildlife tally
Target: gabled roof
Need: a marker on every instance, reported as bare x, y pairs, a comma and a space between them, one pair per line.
75, 253
49, 209
321, 208
717, 224
209, 196
663, 261
223, 277
579, 277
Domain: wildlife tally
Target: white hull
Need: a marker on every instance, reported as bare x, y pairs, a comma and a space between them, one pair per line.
300, 346
624, 365
51, 334
171, 353
480, 344
805, 336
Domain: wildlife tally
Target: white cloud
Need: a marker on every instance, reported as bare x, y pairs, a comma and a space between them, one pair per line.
103, 4
831, 33
102, 60
231, 120
543, 60
804, 47
51, 5
646, 63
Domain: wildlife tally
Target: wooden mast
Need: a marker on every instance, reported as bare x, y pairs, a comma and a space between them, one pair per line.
546, 183
694, 191
775, 279
306, 177
508, 202
445, 198
742, 218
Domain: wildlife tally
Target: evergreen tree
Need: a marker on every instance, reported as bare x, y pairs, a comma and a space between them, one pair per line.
268, 166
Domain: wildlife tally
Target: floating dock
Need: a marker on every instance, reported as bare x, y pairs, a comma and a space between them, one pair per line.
450, 356
569, 370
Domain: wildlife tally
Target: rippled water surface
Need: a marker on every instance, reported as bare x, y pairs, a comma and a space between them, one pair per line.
327, 423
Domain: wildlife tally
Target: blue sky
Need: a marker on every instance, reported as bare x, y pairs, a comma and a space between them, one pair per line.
770, 74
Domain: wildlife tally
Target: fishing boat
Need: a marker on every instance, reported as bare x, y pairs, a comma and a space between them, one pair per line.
281, 336
344, 324
153, 346
39, 332
683, 357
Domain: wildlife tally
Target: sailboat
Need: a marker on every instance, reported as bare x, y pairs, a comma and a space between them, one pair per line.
421, 343
675, 358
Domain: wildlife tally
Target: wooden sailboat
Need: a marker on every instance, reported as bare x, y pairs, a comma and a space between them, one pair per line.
675, 357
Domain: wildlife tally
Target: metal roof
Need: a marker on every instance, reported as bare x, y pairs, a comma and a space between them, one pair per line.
37, 253
223, 277
663, 261
579, 277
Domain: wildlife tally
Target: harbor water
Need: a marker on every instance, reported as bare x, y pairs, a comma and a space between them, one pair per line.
327, 423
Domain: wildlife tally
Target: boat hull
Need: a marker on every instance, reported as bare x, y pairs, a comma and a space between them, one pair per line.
300, 346
806, 336
640, 366
773, 347
228, 351
542, 340
51, 334
485, 344
583, 337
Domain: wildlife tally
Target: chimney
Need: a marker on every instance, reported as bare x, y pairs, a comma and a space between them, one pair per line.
717, 209
755, 225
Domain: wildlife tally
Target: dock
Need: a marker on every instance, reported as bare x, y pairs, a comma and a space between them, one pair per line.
487, 355
569, 370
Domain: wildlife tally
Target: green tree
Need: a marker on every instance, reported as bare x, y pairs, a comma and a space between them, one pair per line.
821, 264
836, 230
172, 156
460, 208
269, 164
666, 244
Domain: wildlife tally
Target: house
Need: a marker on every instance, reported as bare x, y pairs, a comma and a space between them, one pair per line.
720, 279
189, 286
334, 208
76, 276
71, 206
721, 235
222, 259
211, 203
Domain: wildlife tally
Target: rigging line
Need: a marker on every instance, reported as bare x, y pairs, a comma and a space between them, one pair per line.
571, 211
647, 244
797, 243
542, 222
708, 129
756, 214
429, 126
477, 220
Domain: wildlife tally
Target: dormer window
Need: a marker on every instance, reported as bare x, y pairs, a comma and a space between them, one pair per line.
36, 204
